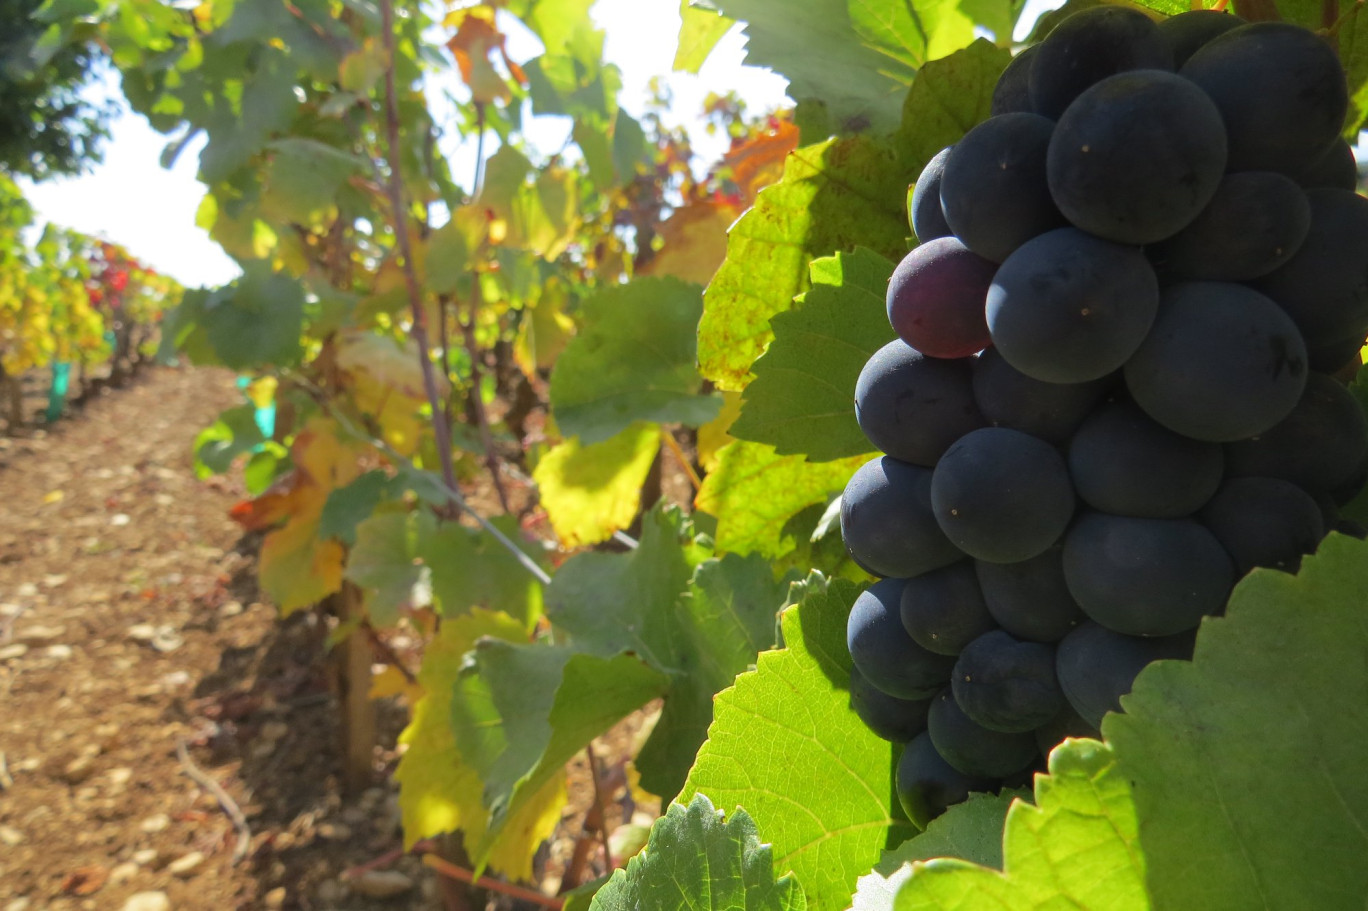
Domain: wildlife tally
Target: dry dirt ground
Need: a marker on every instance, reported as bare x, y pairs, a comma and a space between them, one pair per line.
130, 623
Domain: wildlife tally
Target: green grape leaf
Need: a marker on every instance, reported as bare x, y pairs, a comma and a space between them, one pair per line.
802, 400
949, 98
754, 492
699, 31
702, 637
832, 196
521, 712
439, 791
589, 492
785, 744
1353, 48
471, 569
701, 629
1076, 847
349, 506
234, 433
255, 320
854, 75
971, 831
694, 860
303, 177
1247, 762
633, 360
384, 563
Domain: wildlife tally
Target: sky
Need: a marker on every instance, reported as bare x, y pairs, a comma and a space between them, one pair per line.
131, 200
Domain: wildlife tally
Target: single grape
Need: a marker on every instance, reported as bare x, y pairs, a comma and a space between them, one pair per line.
1123, 462
1146, 577
1008, 398
927, 785
882, 651
935, 299
1186, 33
1256, 222
1280, 90
1221, 363
1137, 157
994, 191
972, 748
1319, 446
1089, 46
913, 407
1264, 522
1335, 168
1002, 495
928, 218
1097, 666
894, 719
1030, 599
1324, 287
943, 610
1012, 94
1068, 307
887, 522
1005, 684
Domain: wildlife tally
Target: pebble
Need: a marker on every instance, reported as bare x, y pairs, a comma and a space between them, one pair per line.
381, 883
186, 864
79, 769
36, 635
330, 892
119, 776
274, 730
158, 823
148, 901
60, 652
19, 904
275, 898
10, 836
230, 609
334, 831
17, 650
123, 873
145, 857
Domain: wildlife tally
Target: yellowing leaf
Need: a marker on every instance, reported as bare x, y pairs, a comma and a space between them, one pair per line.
592, 491
713, 435
392, 682
298, 567
544, 332
438, 791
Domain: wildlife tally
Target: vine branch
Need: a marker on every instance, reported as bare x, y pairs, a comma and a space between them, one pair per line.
394, 185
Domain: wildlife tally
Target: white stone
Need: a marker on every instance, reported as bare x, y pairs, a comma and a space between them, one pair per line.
158, 823
123, 873
381, 883
37, 635
10, 836
16, 650
59, 652
148, 901
145, 857
186, 864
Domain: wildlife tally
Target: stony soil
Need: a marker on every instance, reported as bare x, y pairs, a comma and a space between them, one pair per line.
130, 623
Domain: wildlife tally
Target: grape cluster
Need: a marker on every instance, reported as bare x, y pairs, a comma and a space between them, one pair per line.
1111, 395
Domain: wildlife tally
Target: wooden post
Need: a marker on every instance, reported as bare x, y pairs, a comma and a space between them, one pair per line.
352, 660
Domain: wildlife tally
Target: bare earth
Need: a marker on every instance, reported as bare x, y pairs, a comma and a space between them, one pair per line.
129, 621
